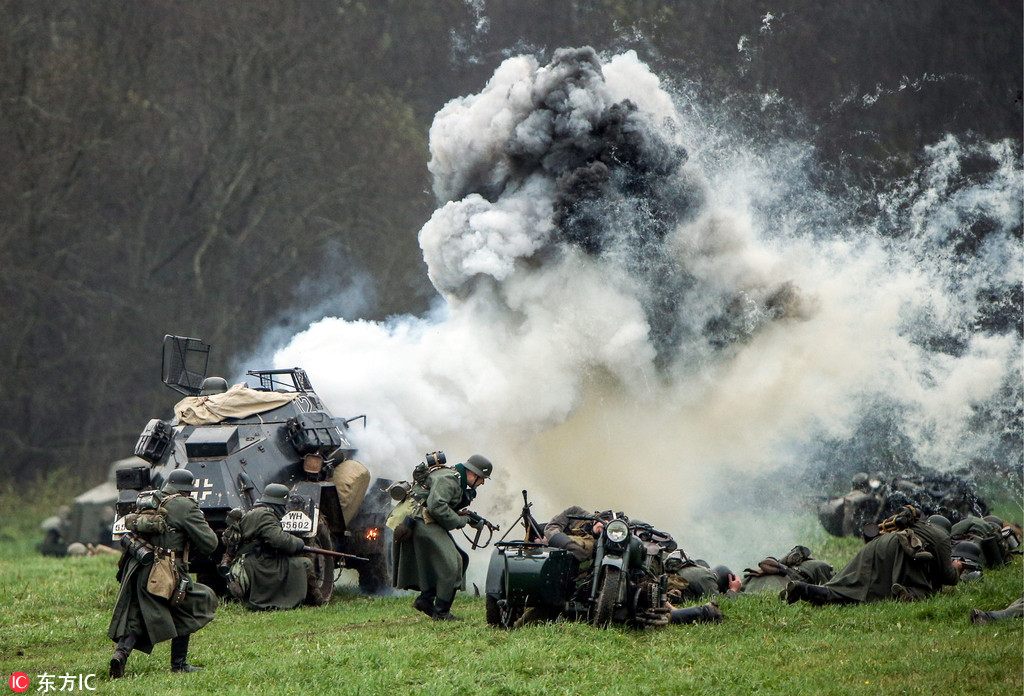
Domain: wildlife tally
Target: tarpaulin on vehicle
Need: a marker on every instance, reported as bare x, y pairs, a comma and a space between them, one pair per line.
240, 401
351, 479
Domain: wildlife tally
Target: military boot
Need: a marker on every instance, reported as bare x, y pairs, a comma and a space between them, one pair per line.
442, 610
795, 591
978, 617
903, 594
1014, 611
425, 603
179, 653
120, 657
314, 593
819, 595
813, 594
705, 613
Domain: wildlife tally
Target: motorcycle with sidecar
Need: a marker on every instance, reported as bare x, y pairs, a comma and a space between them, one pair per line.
622, 584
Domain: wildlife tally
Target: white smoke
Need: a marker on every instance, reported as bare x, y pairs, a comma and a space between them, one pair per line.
740, 338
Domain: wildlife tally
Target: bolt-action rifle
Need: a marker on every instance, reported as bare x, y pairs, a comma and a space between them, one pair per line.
333, 554
480, 523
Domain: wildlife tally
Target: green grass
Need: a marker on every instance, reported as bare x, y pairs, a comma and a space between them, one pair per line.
55, 615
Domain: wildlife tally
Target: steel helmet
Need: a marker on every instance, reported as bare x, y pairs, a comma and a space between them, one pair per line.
941, 521
275, 494
179, 481
479, 465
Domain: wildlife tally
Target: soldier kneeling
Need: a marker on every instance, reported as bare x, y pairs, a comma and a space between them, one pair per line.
270, 572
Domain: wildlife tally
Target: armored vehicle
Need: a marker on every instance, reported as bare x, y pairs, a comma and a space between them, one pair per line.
236, 441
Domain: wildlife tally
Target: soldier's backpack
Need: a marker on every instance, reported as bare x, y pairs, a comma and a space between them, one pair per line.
150, 517
402, 518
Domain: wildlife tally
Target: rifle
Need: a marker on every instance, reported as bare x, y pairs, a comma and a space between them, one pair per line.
480, 522
332, 554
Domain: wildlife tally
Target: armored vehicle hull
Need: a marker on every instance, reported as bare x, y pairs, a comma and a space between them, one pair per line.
276, 431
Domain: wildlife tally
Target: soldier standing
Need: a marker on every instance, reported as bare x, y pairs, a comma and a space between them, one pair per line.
429, 560
271, 573
141, 620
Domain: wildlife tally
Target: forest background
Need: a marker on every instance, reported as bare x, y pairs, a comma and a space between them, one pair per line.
234, 170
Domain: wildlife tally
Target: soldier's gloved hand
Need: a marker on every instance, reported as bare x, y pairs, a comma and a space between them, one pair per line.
463, 520
476, 523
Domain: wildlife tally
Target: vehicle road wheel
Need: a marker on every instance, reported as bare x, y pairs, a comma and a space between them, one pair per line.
323, 566
604, 610
500, 617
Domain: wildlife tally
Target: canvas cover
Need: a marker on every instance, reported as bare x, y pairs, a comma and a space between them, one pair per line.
351, 479
240, 401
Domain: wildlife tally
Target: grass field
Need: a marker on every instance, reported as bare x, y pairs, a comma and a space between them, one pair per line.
55, 615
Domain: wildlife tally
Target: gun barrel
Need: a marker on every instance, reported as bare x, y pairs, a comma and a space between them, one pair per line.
333, 554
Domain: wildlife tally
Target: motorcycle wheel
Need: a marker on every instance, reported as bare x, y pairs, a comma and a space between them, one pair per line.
498, 617
604, 610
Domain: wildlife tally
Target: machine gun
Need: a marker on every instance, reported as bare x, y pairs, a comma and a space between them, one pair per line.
534, 533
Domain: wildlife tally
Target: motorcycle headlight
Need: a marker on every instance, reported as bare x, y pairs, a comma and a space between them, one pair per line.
617, 531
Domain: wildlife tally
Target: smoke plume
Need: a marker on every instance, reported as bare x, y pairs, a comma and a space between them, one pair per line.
639, 312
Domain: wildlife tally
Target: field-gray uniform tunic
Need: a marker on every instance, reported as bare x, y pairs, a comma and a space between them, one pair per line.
973, 528
883, 561
430, 559
574, 536
276, 575
700, 581
152, 619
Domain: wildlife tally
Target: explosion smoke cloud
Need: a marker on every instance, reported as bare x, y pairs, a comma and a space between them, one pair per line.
623, 326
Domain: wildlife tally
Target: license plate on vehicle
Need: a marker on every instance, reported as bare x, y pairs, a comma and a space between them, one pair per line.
118, 529
297, 521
